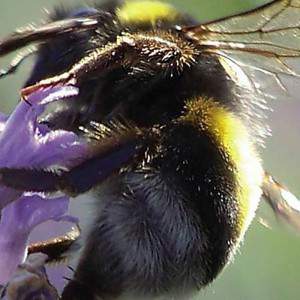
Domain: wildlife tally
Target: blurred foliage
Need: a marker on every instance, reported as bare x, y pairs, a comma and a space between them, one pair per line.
269, 264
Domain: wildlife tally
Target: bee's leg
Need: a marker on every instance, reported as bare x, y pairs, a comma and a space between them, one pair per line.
31, 180
110, 149
78, 180
133, 51
57, 249
17, 61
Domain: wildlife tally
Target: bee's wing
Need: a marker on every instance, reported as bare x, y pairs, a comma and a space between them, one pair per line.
266, 40
260, 51
284, 204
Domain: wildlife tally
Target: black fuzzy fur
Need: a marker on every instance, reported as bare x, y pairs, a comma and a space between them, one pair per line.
164, 226
169, 222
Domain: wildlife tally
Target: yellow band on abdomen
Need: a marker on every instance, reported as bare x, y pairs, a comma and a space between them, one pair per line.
232, 137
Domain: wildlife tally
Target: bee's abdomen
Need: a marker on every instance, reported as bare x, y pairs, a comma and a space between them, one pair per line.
173, 222
232, 139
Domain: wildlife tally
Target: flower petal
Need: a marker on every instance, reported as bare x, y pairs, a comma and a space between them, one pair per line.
26, 143
20, 140
18, 220
8, 195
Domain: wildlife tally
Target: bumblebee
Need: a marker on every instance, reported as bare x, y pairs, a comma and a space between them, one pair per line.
175, 107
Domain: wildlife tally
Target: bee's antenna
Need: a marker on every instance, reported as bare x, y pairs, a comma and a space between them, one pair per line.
22, 37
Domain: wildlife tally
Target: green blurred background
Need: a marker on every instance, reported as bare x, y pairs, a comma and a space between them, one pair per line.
268, 265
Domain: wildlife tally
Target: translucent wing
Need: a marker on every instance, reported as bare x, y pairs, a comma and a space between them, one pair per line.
265, 40
260, 51
284, 204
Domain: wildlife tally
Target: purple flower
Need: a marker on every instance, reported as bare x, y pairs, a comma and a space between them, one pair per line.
26, 143
18, 220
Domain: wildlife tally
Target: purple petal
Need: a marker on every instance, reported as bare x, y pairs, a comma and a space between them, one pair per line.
26, 143
22, 142
8, 195
58, 147
18, 220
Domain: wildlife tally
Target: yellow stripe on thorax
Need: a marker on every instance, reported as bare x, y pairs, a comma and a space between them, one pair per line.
232, 136
145, 12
